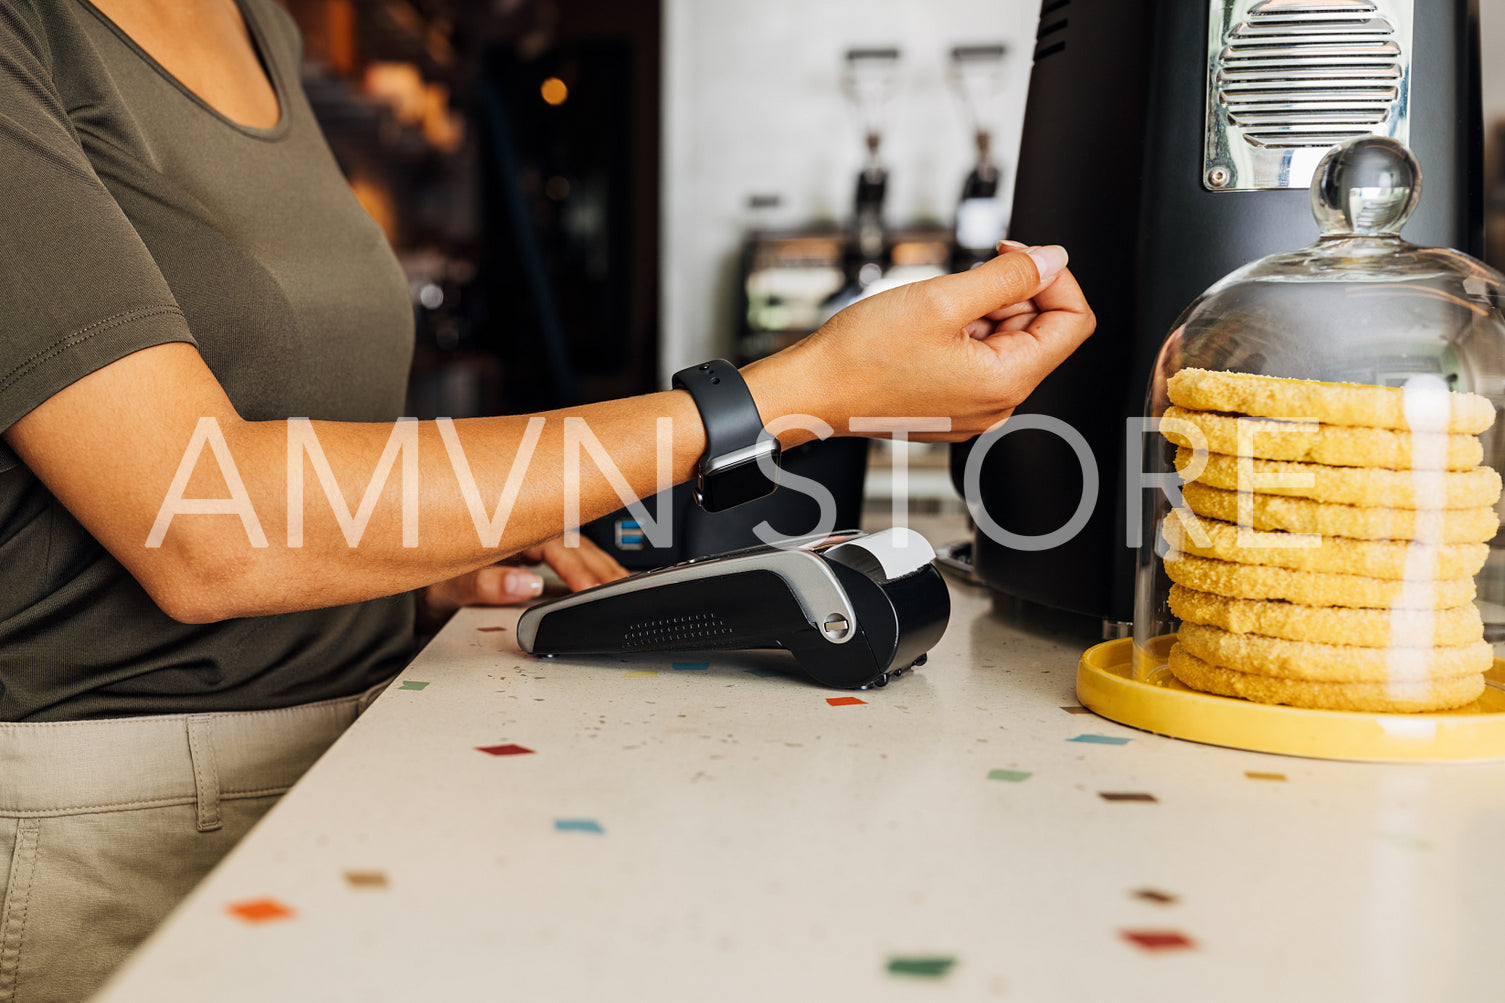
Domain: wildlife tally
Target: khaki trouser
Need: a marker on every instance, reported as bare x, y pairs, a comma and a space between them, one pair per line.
106, 825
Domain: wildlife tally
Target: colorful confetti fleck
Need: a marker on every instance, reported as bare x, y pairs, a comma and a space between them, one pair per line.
260, 910
504, 750
1100, 740
763, 673
1012, 776
1158, 940
412, 684
691, 666
923, 967
1253, 775
1127, 796
641, 674
366, 879
578, 825
490, 630
1157, 896
1076, 709
844, 701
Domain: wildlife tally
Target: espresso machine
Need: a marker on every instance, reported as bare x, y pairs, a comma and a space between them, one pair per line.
1166, 143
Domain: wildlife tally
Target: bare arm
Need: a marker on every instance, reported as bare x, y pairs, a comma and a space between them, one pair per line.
110, 445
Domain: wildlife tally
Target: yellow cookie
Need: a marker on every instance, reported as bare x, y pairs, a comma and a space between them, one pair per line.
1362, 522
1313, 588
1368, 628
1316, 661
1374, 558
1329, 403
1311, 442
1350, 485
1406, 698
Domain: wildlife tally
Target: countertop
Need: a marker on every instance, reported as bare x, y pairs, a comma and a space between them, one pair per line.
714, 827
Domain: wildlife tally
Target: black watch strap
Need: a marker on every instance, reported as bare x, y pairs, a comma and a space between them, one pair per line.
726, 405
730, 473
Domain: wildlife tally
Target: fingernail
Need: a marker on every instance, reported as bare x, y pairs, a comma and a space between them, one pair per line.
524, 583
1049, 260
1012, 245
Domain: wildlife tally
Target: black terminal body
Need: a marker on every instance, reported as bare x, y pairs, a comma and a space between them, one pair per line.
849, 620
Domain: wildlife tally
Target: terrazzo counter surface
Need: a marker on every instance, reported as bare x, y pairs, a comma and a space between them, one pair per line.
714, 827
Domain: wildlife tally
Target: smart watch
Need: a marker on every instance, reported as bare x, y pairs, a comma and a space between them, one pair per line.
730, 473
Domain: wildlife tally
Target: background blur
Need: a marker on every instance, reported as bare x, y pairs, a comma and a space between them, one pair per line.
589, 194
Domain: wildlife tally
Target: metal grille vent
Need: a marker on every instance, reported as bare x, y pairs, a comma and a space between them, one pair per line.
1302, 75
1050, 37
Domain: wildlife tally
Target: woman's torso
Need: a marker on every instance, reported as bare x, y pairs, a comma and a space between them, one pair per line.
299, 308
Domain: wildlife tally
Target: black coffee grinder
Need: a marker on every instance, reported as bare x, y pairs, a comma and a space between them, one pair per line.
1166, 143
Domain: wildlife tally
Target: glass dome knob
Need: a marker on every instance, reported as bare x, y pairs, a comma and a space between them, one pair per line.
1365, 187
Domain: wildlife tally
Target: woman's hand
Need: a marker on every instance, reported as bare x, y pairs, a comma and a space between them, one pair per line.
1015, 317
969, 347
505, 585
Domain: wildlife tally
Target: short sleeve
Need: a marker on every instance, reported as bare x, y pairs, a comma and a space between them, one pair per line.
78, 288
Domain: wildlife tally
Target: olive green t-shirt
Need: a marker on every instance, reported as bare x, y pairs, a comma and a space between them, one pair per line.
131, 215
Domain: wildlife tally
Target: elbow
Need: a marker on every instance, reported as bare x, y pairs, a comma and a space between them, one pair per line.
194, 612
191, 583
187, 599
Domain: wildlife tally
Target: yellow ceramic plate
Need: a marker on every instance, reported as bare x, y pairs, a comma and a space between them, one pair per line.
1159, 703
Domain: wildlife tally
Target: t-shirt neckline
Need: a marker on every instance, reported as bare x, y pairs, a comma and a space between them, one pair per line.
263, 55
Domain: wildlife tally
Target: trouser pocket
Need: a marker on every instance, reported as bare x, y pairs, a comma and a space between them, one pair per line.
23, 868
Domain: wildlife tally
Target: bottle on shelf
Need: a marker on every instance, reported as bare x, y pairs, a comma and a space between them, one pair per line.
981, 213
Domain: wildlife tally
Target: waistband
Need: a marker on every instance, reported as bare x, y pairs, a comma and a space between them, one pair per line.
75, 767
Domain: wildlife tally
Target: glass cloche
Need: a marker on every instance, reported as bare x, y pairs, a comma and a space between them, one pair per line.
1323, 532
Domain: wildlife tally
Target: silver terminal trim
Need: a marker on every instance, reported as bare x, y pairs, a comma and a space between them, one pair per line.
811, 580
1289, 79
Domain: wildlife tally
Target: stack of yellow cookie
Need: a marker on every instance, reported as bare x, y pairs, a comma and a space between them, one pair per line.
1325, 558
